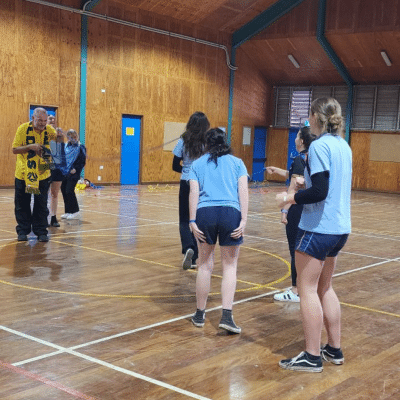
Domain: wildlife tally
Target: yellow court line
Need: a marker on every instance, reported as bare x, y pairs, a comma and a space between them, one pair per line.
255, 286
371, 310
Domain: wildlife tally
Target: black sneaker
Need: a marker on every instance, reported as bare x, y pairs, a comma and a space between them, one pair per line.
302, 362
187, 259
228, 324
54, 222
22, 237
199, 318
43, 238
335, 357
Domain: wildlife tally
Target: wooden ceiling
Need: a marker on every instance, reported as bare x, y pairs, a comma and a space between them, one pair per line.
358, 30
224, 15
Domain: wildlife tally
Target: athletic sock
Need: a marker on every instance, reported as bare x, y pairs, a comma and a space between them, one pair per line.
226, 313
312, 357
331, 349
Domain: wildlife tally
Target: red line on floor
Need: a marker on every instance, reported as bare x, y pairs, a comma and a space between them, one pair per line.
46, 381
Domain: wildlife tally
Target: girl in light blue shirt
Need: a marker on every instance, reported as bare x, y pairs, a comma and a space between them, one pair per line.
323, 231
190, 146
218, 206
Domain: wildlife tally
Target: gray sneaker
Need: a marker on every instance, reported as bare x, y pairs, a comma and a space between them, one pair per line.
199, 318
335, 357
187, 259
229, 325
302, 363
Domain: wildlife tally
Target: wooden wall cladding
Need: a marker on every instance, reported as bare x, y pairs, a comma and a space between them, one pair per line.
252, 101
277, 150
372, 175
39, 64
162, 79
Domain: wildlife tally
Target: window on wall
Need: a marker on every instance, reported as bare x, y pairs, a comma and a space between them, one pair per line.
292, 106
299, 107
374, 107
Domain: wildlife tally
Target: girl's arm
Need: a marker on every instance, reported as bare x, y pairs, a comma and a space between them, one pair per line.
279, 171
193, 202
243, 192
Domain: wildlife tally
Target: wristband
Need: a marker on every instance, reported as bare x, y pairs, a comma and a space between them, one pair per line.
192, 220
284, 211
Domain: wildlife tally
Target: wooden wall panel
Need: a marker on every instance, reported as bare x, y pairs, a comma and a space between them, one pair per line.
277, 150
372, 175
252, 105
157, 77
39, 64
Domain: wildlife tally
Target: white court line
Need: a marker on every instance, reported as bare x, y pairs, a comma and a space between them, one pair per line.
105, 364
112, 229
342, 252
118, 335
71, 350
121, 215
376, 236
366, 267
139, 376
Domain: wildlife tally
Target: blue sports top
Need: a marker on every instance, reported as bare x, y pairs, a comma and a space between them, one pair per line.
180, 152
218, 184
331, 216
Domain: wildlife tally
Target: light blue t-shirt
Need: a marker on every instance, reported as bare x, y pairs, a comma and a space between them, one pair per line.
180, 152
218, 184
332, 215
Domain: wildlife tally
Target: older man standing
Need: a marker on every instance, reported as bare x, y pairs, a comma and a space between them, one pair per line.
32, 175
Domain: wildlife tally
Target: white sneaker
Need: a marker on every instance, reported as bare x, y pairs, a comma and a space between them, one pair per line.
65, 216
76, 215
287, 295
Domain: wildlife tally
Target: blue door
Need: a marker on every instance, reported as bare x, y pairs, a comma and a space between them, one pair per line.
130, 149
260, 144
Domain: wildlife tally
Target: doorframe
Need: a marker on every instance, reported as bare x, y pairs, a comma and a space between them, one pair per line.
140, 145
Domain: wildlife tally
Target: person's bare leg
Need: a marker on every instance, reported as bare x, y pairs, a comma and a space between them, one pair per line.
54, 191
229, 260
308, 274
330, 303
205, 265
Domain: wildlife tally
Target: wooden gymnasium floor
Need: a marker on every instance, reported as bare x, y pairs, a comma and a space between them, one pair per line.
102, 310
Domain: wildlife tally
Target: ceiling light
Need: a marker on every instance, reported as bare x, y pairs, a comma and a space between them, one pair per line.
293, 60
386, 58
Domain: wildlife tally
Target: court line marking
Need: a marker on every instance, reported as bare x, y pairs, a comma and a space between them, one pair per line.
48, 382
139, 376
117, 335
104, 364
366, 267
285, 242
255, 286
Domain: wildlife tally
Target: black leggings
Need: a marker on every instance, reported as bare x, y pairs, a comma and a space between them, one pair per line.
187, 239
292, 226
68, 192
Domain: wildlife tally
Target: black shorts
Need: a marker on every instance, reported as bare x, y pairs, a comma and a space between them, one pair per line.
219, 222
56, 175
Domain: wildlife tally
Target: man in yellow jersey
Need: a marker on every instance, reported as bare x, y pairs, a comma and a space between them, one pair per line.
32, 175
